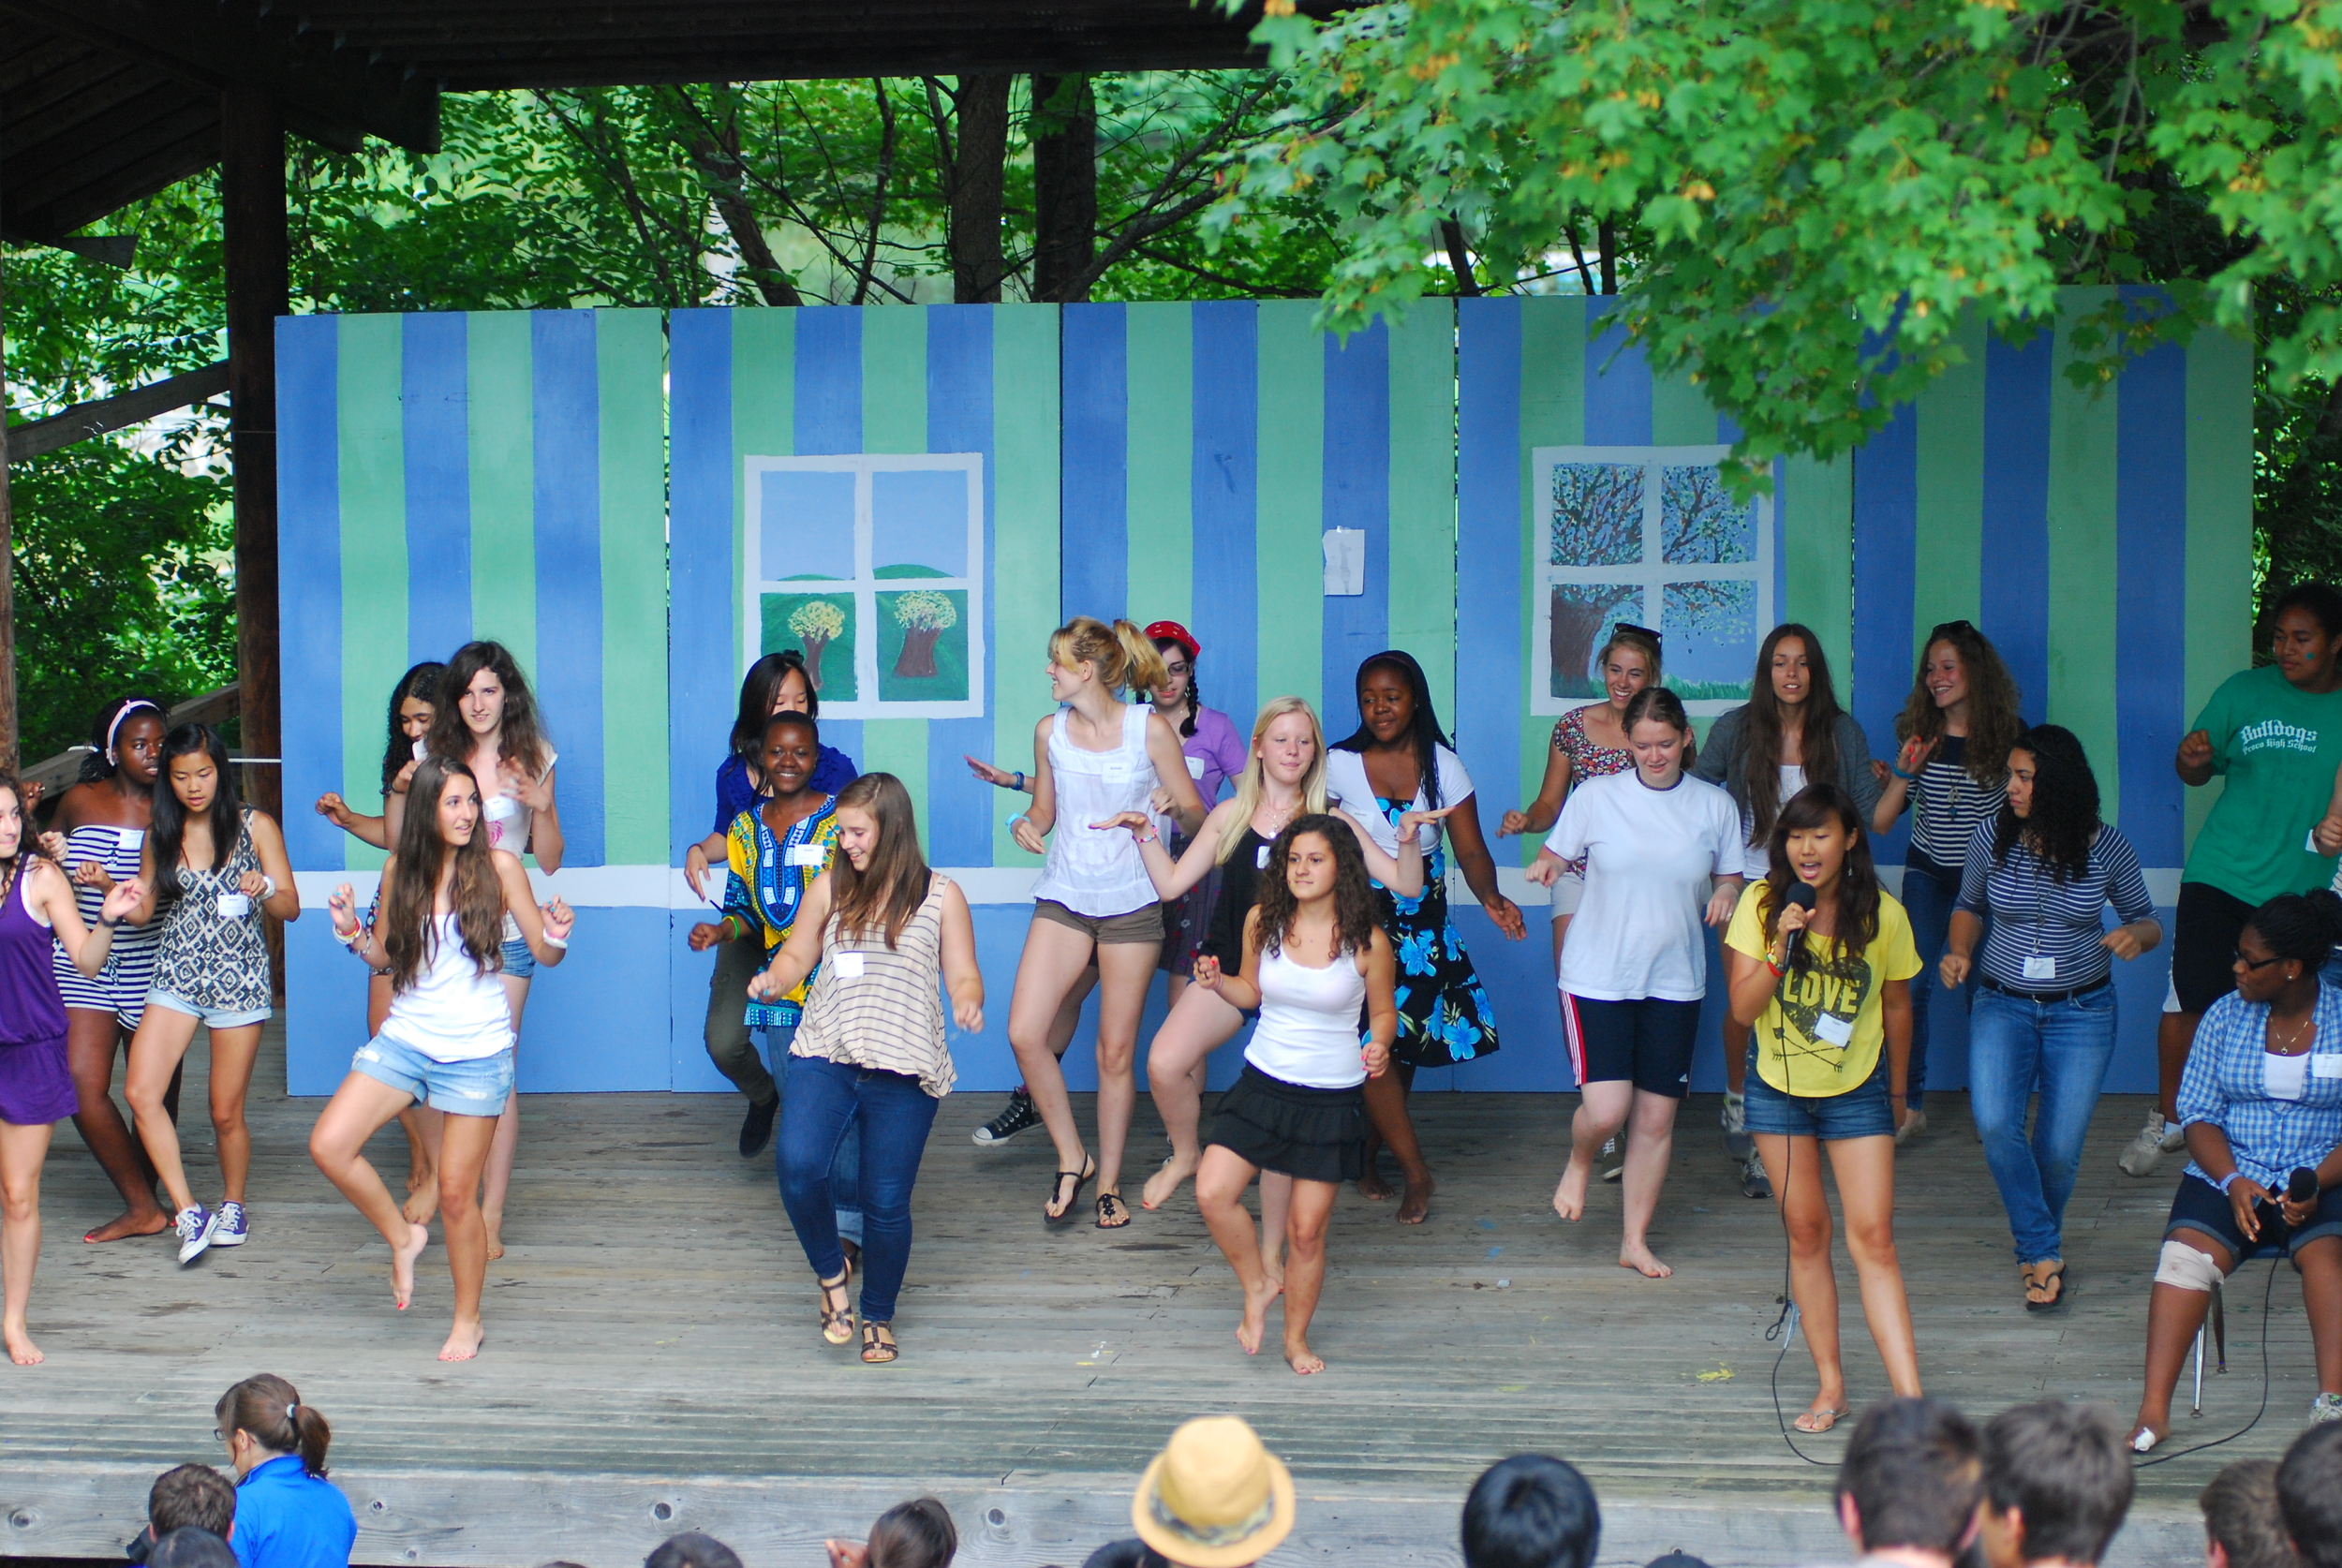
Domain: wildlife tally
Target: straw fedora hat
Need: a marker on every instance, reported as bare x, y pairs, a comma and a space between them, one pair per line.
1214, 1497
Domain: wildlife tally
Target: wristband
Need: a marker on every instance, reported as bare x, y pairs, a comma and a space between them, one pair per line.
551, 940
109, 925
268, 887
1777, 970
1146, 837
1897, 770
1019, 785
2224, 1183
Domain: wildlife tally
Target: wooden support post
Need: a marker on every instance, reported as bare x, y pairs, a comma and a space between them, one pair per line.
252, 191
9, 739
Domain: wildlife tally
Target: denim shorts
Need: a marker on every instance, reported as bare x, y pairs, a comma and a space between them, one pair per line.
519, 962
1862, 1112
2199, 1205
478, 1088
214, 1017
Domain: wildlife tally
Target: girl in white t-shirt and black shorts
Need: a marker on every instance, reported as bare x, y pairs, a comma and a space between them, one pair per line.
1663, 850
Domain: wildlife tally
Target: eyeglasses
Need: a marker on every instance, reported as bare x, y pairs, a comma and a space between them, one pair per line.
2257, 964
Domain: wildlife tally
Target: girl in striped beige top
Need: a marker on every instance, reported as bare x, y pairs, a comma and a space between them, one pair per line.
883, 932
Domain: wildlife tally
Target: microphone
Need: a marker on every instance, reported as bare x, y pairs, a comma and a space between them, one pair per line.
2302, 1185
1800, 894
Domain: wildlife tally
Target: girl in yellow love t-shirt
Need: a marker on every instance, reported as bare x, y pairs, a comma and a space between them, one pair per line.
1827, 991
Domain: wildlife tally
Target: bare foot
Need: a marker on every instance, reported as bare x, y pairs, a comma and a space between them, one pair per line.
148, 1221
403, 1264
21, 1347
1569, 1198
1255, 1322
1417, 1202
2152, 1432
1300, 1358
1371, 1184
465, 1341
1637, 1257
418, 1178
1166, 1181
422, 1203
495, 1223
1822, 1415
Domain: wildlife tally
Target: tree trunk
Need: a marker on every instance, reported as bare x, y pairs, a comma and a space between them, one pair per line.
1605, 236
813, 646
918, 655
1575, 627
1064, 139
9, 737
979, 166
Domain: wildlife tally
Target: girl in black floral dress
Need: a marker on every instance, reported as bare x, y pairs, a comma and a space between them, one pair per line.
1398, 760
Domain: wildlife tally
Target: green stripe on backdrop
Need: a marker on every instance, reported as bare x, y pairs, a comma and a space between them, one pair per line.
1817, 509
2081, 554
1948, 556
1552, 414
895, 419
1024, 539
1681, 414
1158, 465
763, 416
374, 554
1291, 469
2219, 525
1423, 491
630, 357
502, 436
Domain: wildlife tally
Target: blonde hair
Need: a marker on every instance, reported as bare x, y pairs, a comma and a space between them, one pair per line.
1637, 640
1127, 658
1253, 786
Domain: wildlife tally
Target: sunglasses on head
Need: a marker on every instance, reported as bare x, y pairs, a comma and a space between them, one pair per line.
1953, 628
1638, 630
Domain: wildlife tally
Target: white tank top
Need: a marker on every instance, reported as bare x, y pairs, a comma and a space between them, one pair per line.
1090, 872
452, 1012
1309, 1022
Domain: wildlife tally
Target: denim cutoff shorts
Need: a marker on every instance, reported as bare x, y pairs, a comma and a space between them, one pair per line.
478, 1088
1862, 1112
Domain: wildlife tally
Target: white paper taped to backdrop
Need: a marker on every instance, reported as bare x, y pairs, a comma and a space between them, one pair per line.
1346, 562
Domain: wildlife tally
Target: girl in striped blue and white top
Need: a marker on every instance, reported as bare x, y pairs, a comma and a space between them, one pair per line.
2044, 868
1955, 728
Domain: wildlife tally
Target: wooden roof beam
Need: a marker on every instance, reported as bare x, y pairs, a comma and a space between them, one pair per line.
332, 95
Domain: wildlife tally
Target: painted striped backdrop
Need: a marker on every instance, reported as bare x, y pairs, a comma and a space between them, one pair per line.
450, 477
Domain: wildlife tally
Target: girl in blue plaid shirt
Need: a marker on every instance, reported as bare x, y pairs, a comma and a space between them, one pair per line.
2261, 1099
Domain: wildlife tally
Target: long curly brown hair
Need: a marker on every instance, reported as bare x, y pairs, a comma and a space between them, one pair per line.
410, 935
521, 741
1353, 896
1995, 721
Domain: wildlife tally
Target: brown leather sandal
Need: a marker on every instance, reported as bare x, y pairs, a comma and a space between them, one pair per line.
837, 1322
878, 1344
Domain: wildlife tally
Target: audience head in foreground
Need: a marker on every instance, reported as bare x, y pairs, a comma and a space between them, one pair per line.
197, 1496
2242, 1526
1214, 1497
1530, 1512
1909, 1484
691, 1549
2309, 1495
914, 1534
2056, 1484
191, 1549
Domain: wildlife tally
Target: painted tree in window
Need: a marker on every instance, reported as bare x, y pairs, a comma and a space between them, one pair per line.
1700, 525
1595, 520
815, 622
924, 616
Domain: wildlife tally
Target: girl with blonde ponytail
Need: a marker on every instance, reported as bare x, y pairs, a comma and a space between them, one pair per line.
1095, 758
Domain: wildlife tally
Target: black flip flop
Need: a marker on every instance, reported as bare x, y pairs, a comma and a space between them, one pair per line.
1080, 1179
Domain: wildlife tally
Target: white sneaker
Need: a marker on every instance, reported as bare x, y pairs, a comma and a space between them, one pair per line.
195, 1231
1913, 1125
1737, 1143
2325, 1408
2141, 1156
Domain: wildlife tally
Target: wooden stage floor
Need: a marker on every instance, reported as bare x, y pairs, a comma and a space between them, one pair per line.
653, 1365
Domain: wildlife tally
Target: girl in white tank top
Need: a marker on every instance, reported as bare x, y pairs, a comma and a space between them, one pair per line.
1093, 759
1314, 952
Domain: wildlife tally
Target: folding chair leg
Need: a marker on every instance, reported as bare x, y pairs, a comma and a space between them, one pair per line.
2220, 1329
2196, 1404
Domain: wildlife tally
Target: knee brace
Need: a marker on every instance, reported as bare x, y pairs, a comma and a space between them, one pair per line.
2184, 1266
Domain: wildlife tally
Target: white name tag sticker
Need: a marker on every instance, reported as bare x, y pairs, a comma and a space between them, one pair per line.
234, 906
815, 855
2326, 1064
1830, 1029
848, 966
1260, 858
1195, 768
2040, 966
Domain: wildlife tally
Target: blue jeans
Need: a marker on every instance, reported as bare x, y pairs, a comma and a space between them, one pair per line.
1928, 902
2065, 1046
821, 1102
845, 1172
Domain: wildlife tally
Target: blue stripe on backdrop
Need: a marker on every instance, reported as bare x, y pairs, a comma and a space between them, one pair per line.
1093, 486
1886, 566
309, 578
2150, 597
568, 677
436, 409
700, 651
1225, 504
1356, 494
828, 385
2015, 597
959, 419
1618, 385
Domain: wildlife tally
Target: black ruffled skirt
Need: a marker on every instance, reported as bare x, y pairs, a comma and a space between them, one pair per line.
1310, 1134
